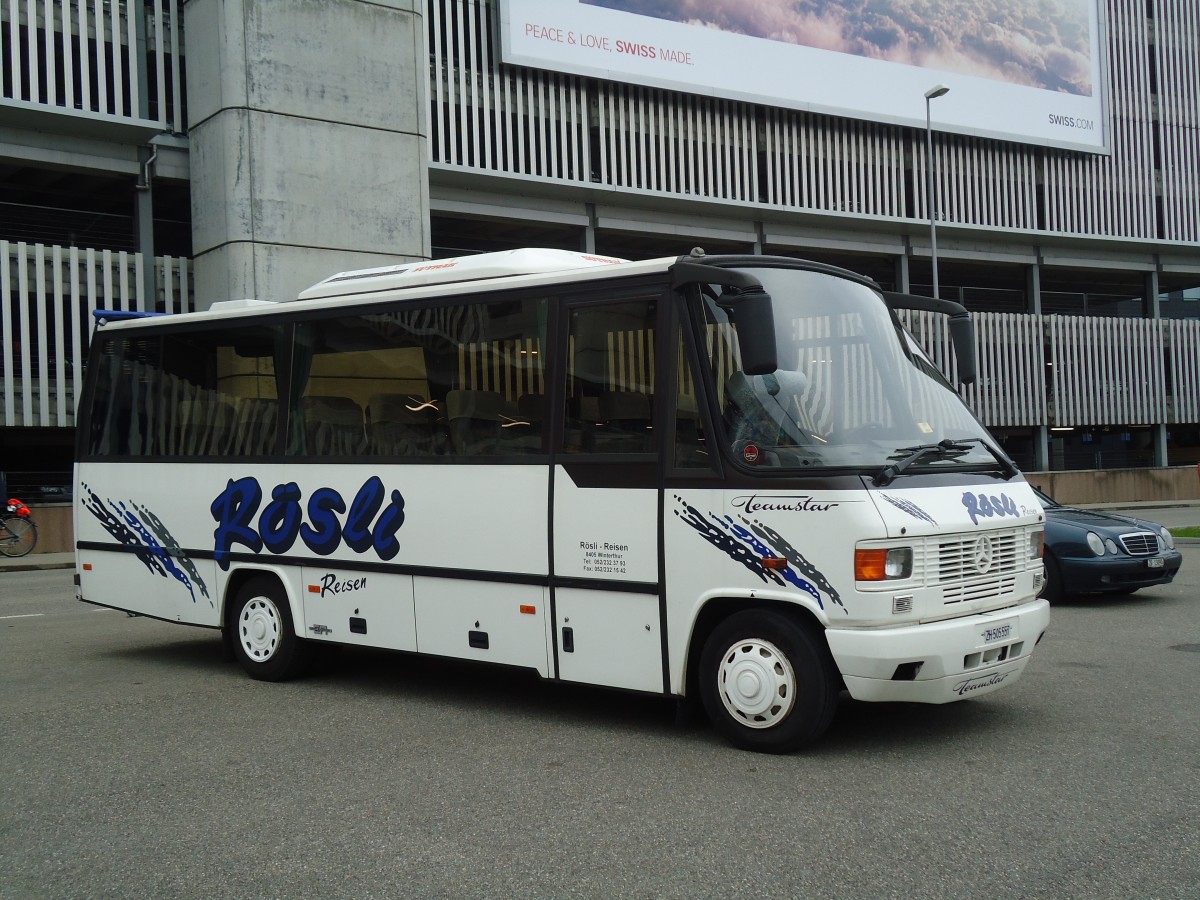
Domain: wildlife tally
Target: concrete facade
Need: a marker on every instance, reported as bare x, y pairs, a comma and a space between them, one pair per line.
292, 147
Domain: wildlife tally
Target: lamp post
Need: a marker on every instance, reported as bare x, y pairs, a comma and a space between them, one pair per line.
933, 93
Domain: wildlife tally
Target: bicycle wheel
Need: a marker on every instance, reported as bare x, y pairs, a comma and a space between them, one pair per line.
17, 536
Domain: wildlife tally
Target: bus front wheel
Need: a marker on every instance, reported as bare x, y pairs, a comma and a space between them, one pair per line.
264, 640
767, 682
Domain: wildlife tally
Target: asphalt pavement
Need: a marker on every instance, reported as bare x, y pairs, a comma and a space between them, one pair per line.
139, 761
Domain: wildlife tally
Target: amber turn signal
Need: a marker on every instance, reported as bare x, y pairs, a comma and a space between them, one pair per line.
870, 565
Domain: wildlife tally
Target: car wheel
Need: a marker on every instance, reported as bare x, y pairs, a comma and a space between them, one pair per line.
1053, 589
263, 637
767, 682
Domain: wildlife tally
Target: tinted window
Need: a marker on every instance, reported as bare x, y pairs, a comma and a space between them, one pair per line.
187, 394
610, 378
453, 381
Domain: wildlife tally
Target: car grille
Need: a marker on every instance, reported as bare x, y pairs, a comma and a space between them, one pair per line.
977, 566
1140, 543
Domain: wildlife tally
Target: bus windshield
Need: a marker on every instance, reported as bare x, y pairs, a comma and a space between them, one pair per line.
849, 392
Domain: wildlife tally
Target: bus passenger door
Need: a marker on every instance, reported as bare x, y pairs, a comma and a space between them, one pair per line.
605, 514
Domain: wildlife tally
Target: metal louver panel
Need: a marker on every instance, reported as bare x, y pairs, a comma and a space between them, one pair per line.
510, 119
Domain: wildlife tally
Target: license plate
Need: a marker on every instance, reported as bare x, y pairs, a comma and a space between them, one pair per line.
999, 633
1155, 563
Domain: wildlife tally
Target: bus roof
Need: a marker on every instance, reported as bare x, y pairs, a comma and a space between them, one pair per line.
506, 263
529, 267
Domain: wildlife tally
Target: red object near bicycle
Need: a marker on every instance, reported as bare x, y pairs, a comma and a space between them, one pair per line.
18, 531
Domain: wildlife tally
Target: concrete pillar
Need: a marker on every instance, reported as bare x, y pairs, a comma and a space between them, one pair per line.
308, 141
1033, 303
902, 277
1150, 307
1033, 289
1041, 448
589, 230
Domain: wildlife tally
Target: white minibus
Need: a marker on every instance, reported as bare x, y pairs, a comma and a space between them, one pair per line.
735, 479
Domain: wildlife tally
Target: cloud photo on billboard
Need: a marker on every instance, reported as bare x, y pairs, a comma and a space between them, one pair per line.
1043, 44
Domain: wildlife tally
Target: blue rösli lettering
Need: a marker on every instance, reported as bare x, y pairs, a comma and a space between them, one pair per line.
369, 523
986, 506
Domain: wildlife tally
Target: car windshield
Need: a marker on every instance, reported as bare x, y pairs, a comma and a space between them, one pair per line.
850, 391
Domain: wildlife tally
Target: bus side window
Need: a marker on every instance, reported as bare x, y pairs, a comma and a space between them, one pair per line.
220, 392
401, 425
410, 383
610, 378
201, 394
110, 416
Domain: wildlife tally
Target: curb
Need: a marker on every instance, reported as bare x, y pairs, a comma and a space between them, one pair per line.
36, 567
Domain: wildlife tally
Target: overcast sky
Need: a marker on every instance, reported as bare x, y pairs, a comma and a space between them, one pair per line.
1038, 43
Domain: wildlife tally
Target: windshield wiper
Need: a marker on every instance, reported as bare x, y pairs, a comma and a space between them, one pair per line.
942, 450
947, 448
1007, 466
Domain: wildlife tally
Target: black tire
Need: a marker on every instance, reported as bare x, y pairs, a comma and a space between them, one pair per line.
1052, 591
262, 634
18, 537
767, 682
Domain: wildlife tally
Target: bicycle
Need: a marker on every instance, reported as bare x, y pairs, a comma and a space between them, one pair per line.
18, 531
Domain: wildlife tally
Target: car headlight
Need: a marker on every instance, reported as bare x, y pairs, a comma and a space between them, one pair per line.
1111, 545
1167, 538
1096, 543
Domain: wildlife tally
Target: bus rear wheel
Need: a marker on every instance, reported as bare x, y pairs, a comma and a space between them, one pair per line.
263, 637
767, 682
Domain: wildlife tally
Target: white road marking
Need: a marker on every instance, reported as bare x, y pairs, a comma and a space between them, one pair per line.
25, 616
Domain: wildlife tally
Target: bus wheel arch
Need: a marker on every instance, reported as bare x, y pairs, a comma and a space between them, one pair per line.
764, 674
717, 609
260, 627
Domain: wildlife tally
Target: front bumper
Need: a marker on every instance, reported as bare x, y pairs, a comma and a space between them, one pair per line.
1117, 573
939, 662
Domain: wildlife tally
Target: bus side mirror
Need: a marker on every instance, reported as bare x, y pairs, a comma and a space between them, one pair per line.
962, 331
962, 336
755, 320
748, 305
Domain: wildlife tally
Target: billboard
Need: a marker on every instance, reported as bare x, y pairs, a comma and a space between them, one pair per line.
1021, 70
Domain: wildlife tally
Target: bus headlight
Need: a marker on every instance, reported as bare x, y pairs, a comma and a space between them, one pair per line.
883, 563
1037, 543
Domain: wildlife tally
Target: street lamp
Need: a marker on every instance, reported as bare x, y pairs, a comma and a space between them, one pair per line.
938, 90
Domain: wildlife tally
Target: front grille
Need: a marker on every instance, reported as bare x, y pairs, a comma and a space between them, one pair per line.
986, 554
1140, 543
978, 566
978, 590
